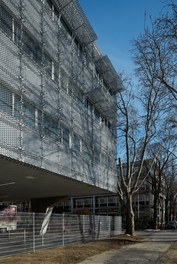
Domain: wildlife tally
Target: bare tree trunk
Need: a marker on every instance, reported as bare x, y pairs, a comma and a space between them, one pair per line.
167, 210
130, 224
155, 215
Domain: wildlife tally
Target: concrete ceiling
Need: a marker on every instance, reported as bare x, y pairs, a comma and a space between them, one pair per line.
22, 182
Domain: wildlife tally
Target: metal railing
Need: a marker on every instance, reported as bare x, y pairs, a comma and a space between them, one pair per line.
35, 232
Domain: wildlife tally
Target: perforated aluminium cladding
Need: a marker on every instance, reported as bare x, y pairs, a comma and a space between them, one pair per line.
9, 136
32, 16
41, 110
9, 65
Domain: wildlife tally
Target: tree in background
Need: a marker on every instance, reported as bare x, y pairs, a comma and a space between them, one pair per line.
170, 191
155, 57
155, 54
159, 175
136, 127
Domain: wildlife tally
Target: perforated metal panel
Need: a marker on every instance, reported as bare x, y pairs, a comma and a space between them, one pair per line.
51, 104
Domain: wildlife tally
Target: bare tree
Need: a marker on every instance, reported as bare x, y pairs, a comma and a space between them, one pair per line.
156, 52
170, 191
163, 154
137, 126
155, 57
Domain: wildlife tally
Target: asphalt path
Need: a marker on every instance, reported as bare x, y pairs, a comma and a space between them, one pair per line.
149, 250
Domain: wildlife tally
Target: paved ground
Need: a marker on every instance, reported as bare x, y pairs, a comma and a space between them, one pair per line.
150, 250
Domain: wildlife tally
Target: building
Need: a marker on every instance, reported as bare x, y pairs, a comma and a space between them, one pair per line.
143, 205
149, 200
57, 104
103, 204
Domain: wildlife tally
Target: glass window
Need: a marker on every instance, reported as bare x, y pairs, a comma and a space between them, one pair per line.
53, 70
48, 65
104, 158
17, 33
29, 114
56, 14
56, 72
65, 136
32, 48
79, 98
64, 78
28, 44
76, 146
96, 155
5, 100
5, 21
50, 127
17, 106
66, 29
97, 115
89, 107
49, 7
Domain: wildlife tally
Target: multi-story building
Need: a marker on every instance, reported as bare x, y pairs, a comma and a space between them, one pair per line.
57, 103
103, 204
149, 199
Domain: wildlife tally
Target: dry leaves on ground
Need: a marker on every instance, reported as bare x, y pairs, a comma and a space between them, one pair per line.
72, 254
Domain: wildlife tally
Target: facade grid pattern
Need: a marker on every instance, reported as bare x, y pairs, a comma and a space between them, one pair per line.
57, 91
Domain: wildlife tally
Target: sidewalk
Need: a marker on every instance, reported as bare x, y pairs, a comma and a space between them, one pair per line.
150, 250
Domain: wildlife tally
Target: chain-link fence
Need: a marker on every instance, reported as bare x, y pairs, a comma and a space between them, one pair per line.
30, 232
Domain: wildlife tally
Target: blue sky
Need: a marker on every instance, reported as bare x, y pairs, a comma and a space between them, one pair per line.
117, 22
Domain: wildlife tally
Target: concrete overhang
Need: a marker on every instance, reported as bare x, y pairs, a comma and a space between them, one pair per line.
21, 182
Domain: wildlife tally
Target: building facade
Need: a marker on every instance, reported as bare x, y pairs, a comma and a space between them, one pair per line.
96, 205
149, 199
144, 205
57, 102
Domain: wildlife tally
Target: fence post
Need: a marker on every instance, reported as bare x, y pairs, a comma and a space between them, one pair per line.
83, 225
24, 236
9, 235
63, 229
110, 220
34, 242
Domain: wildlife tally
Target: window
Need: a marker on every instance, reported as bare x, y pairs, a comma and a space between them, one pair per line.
79, 203
104, 159
65, 136
109, 125
52, 11
53, 70
56, 72
89, 107
39, 119
31, 47
5, 21
96, 155
48, 64
66, 29
49, 7
97, 115
56, 14
64, 78
17, 33
76, 146
28, 44
5, 100
17, 106
79, 98
13, 30
88, 202
102, 201
50, 127
29, 114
